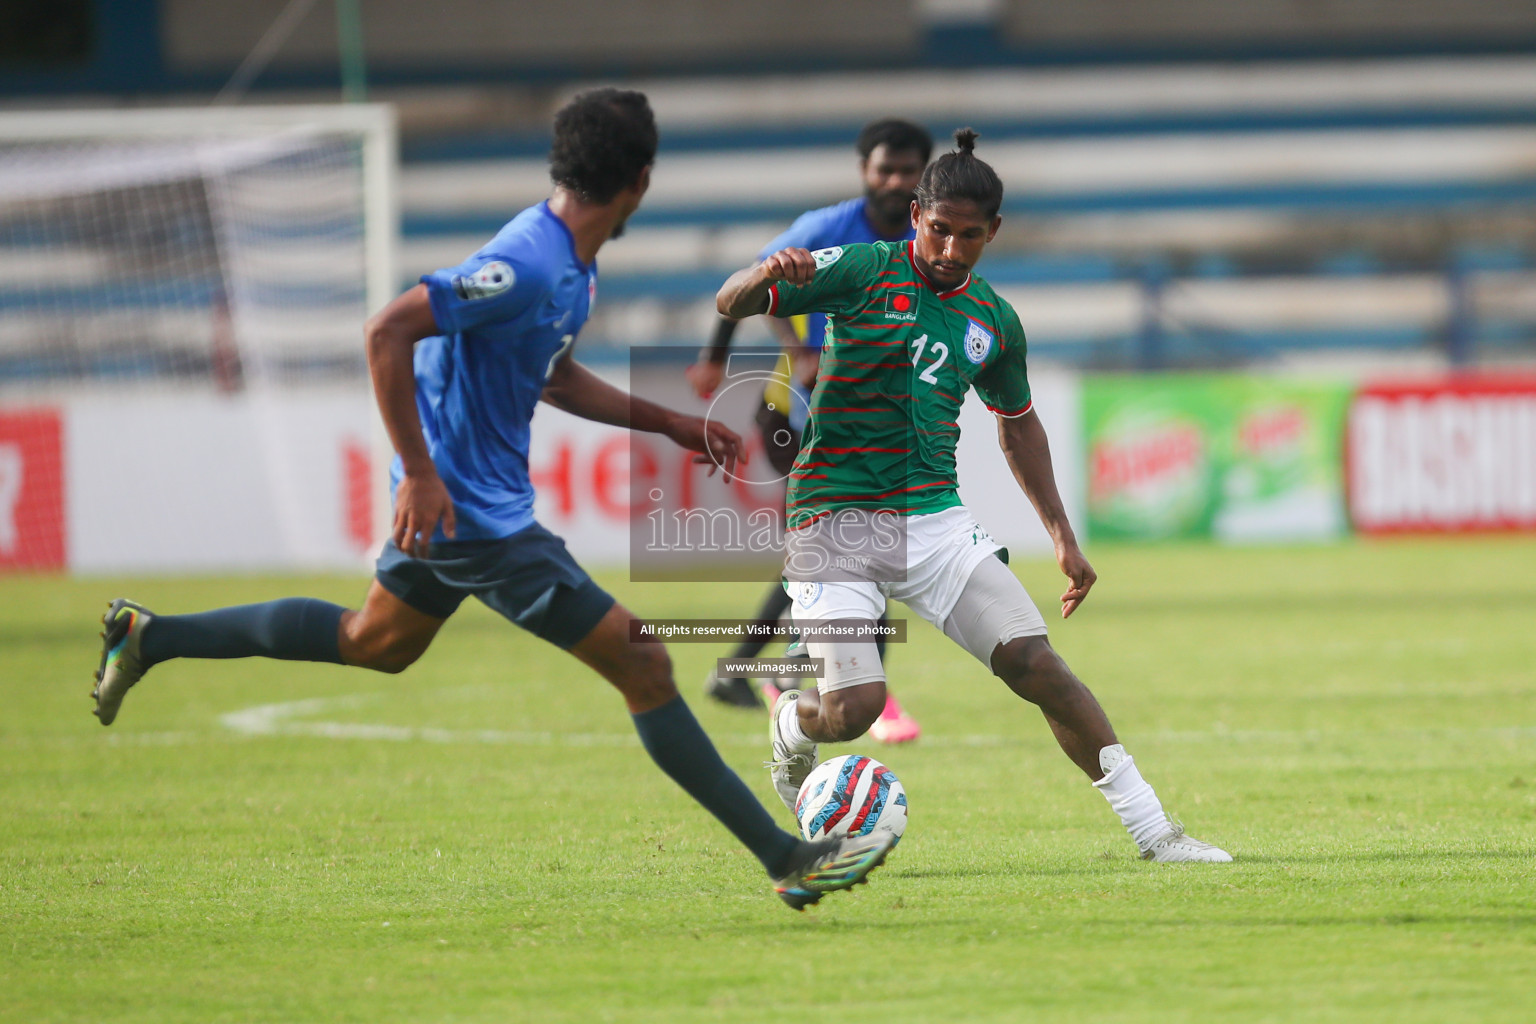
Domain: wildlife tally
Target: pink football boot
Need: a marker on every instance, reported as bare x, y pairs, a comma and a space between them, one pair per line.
894, 725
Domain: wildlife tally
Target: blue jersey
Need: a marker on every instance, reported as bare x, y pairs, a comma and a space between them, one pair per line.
508, 314
842, 224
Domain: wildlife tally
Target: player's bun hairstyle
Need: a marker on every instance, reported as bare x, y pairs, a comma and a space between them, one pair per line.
604, 138
961, 175
897, 136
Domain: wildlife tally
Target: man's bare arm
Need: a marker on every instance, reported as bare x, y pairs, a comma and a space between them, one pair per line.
745, 293
580, 392
1024, 443
422, 500
706, 374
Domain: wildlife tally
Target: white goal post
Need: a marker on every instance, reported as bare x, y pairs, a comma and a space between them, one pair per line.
373, 124
182, 294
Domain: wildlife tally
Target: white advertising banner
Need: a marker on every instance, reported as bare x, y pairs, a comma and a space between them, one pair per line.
987, 485
176, 483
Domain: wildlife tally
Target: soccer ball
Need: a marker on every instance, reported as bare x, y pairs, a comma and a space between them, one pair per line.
851, 795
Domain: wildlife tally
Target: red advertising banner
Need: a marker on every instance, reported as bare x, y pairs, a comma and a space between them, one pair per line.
1456, 454
357, 497
31, 489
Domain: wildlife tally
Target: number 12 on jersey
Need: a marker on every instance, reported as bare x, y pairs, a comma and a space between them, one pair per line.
940, 352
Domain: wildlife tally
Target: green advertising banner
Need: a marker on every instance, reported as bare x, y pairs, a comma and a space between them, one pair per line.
1233, 457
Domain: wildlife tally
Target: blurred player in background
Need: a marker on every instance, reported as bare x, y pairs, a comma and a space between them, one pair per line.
892, 155
459, 363
911, 330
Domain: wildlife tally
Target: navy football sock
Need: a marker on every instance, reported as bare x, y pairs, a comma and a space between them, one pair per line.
677, 743
292, 629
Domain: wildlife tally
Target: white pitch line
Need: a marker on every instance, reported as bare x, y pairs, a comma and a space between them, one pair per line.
280, 720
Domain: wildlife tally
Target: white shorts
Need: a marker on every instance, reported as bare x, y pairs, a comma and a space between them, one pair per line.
954, 580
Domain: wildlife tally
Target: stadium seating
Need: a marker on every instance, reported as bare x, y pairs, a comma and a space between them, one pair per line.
1163, 215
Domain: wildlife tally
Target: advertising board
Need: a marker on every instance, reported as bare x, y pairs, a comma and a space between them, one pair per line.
1233, 457
1456, 454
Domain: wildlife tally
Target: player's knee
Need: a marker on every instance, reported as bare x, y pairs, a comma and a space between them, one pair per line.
1031, 667
847, 714
398, 659
397, 654
382, 650
646, 674
651, 662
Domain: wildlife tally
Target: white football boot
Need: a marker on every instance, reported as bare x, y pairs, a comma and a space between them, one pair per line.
790, 765
1173, 845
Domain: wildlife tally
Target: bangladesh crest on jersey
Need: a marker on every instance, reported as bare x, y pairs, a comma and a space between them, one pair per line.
978, 342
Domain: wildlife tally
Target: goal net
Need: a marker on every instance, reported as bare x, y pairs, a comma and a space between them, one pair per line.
182, 294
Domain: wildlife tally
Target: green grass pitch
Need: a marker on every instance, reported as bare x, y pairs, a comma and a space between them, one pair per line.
482, 839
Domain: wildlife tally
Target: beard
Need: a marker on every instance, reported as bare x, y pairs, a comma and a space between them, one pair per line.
618, 229
889, 206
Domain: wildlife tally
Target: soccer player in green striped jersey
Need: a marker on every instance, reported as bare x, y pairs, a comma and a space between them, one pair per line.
911, 330
892, 156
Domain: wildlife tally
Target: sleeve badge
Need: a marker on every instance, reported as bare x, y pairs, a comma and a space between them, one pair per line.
491, 279
826, 257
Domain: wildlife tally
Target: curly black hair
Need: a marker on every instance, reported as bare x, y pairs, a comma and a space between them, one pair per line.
961, 175
604, 138
895, 135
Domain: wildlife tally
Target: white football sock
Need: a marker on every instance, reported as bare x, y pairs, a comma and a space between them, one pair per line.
789, 728
1130, 796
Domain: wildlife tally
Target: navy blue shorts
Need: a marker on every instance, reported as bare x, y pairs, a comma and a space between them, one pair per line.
528, 577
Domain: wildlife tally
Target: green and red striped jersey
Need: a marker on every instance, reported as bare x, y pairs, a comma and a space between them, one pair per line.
897, 362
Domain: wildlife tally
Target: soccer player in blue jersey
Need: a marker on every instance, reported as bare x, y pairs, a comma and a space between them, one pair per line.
458, 364
892, 155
